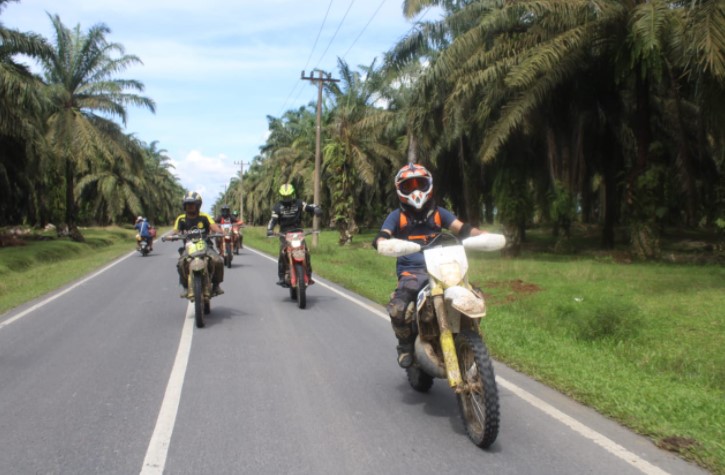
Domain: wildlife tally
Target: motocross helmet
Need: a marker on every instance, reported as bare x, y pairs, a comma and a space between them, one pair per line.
414, 185
225, 210
192, 197
287, 193
235, 213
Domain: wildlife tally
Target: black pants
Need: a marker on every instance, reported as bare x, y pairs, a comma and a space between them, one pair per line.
409, 284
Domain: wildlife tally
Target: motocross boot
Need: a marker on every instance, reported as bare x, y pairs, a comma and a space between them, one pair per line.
403, 332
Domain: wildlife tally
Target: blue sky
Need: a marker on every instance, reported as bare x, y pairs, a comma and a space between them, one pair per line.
218, 68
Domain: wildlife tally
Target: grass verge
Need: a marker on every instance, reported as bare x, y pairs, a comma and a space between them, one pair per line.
39, 266
641, 343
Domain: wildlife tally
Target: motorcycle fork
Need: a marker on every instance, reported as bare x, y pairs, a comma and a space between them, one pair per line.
450, 357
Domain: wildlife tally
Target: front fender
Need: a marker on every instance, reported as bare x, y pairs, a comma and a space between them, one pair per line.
197, 265
465, 301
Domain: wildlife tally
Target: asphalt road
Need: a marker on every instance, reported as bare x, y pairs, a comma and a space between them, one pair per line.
110, 376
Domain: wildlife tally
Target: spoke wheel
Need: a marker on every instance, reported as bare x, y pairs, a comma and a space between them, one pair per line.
478, 400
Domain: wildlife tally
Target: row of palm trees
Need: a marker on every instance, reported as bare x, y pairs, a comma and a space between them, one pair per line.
528, 111
64, 157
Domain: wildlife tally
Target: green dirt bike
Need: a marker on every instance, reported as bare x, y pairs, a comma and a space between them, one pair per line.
449, 343
198, 263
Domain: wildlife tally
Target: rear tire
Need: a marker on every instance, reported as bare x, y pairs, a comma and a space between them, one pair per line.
479, 403
198, 300
419, 379
301, 286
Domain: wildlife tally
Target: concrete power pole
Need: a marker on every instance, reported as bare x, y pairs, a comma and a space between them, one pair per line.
320, 80
241, 164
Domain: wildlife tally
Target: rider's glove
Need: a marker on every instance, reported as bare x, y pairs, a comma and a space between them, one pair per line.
318, 211
270, 233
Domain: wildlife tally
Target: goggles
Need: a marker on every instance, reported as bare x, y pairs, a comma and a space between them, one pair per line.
414, 184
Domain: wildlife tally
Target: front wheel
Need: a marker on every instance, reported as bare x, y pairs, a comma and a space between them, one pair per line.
198, 299
301, 286
228, 254
478, 399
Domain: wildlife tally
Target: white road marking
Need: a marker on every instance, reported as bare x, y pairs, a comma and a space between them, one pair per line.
158, 448
607, 444
60, 294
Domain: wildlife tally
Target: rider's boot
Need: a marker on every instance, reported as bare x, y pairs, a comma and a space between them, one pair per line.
403, 332
216, 290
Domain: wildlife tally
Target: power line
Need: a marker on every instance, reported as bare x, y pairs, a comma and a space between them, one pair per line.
365, 27
297, 84
334, 35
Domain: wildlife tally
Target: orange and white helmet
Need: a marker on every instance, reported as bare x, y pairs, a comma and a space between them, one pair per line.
414, 185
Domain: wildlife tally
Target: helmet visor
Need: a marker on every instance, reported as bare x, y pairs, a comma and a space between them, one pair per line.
414, 184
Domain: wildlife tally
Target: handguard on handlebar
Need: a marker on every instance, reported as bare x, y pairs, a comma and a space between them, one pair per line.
485, 242
397, 247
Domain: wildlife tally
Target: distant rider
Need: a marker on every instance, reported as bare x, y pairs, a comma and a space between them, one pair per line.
288, 212
193, 218
144, 230
225, 217
418, 219
240, 223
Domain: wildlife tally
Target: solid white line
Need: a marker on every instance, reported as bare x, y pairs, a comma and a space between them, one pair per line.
158, 448
60, 294
607, 444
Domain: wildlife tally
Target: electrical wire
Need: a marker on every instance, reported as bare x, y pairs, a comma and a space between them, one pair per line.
335, 34
364, 28
297, 83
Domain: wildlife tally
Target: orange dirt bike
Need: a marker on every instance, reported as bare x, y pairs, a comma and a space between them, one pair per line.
226, 244
295, 261
198, 263
448, 339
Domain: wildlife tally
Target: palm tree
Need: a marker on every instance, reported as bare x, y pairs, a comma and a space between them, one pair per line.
84, 93
21, 111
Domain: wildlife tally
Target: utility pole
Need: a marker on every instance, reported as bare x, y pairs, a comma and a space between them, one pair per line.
241, 164
320, 80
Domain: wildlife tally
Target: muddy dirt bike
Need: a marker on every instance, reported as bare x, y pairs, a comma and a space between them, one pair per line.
448, 339
198, 262
142, 245
295, 261
226, 244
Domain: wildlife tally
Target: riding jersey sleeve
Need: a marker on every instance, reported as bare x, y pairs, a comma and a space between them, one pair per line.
275, 217
178, 221
391, 223
447, 217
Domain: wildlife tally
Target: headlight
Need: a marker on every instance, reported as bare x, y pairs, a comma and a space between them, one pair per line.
450, 274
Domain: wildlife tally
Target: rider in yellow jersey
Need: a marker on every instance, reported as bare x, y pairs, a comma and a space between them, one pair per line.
193, 218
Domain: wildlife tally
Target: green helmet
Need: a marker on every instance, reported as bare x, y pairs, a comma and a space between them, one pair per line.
287, 192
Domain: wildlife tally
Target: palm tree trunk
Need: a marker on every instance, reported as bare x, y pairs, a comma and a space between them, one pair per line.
70, 203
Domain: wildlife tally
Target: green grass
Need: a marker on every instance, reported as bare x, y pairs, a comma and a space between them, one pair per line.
641, 343
40, 266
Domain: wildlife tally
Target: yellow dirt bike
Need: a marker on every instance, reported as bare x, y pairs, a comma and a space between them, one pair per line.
198, 262
446, 321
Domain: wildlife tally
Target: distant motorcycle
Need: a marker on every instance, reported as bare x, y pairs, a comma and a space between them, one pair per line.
227, 244
142, 245
295, 261
238, 237
448, 339
198, 263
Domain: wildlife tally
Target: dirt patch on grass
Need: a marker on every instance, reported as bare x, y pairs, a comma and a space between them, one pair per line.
676, 443
508, 291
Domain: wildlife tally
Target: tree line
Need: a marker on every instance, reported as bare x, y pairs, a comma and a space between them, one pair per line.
528, 112
64, 157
